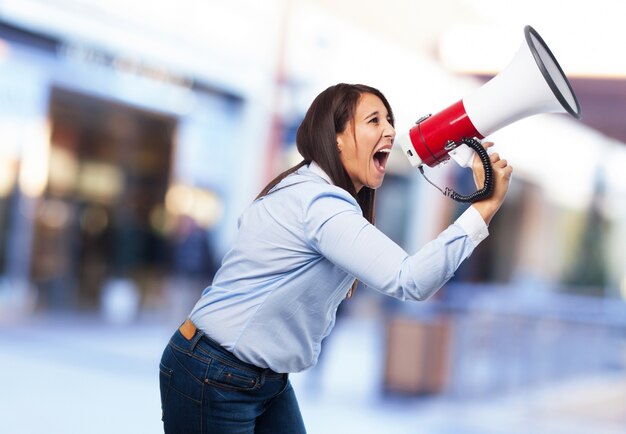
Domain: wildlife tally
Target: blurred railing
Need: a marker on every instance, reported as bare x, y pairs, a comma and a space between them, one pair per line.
505, 339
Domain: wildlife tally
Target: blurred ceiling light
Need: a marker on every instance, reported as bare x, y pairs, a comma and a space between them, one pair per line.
162, 221
10, 125
64, 167
54, 214
208, 208
33, 176
8, 173
204, 206
99, 181
179, 199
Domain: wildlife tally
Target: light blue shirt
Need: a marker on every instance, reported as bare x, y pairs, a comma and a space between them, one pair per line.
296, 254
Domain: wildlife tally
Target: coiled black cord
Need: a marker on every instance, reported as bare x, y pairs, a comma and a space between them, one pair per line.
487, 189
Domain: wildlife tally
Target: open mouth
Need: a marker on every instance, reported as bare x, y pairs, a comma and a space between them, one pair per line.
380, 159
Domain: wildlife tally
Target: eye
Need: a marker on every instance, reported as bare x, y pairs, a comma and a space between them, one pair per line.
374, 120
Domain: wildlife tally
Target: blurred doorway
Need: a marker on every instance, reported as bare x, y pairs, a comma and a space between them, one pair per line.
108, 176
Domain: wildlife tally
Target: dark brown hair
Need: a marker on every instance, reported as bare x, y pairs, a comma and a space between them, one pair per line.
330, 113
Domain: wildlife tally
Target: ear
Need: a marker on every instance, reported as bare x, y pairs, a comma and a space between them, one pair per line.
339, 142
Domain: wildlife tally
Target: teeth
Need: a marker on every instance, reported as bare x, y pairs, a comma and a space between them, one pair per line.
386, 151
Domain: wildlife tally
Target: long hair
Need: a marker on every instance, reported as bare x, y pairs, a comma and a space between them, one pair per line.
330, 113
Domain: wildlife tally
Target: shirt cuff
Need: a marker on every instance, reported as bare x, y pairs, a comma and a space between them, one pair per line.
473, 224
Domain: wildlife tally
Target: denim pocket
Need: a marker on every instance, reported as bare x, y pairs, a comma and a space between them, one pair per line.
227, 376
187, 374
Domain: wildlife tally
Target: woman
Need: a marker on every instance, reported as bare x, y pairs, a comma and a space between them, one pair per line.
301, 244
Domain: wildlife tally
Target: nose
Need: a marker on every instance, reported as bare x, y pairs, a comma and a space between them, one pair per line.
390, 131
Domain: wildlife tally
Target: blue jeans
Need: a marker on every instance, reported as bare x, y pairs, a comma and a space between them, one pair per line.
206, 389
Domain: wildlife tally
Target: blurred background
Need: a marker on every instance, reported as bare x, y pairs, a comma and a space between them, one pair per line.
133, 133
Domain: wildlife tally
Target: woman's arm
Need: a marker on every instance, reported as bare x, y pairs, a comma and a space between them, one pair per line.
337, 230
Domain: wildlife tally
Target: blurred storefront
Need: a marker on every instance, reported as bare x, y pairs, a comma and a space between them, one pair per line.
113, 168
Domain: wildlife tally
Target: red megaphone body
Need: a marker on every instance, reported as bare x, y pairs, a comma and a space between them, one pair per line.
532, 83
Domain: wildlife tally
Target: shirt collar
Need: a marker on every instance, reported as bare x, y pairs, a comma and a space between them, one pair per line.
315, 168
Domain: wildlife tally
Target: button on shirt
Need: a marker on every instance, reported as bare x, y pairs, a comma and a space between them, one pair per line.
296, 254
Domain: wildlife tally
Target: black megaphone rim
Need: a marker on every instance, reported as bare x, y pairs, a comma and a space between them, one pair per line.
528, 31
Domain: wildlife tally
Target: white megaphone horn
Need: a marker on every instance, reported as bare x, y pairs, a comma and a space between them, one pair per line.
532, 83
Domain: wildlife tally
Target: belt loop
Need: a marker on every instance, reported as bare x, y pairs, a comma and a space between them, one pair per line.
194, 341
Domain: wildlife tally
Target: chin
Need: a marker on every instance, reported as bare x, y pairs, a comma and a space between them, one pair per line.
375, 185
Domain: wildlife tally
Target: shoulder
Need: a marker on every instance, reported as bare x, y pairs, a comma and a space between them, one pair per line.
310, 188
308, 198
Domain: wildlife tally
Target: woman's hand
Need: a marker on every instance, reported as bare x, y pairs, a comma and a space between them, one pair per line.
502, 176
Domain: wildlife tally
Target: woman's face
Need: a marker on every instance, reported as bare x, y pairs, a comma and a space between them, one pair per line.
364, 148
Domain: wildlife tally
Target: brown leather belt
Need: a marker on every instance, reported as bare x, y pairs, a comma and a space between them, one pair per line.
188, 329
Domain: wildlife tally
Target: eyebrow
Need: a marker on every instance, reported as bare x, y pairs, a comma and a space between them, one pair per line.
372, 114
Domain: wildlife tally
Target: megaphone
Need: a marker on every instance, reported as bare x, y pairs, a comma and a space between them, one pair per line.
532, 83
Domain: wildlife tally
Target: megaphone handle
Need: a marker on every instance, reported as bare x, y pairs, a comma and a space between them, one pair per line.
487, 189
484, 192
